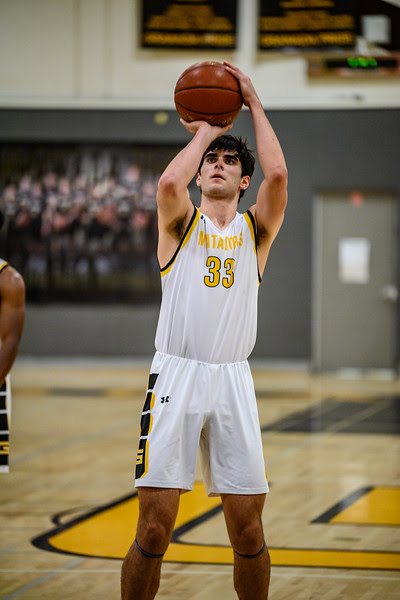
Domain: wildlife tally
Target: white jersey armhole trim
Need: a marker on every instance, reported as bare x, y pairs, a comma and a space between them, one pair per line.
253, 230
184, 240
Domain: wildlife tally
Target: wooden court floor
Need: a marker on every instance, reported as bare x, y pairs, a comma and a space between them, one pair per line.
68, 507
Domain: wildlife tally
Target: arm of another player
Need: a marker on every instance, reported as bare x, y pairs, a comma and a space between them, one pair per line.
12, 318
174, 206
272, 195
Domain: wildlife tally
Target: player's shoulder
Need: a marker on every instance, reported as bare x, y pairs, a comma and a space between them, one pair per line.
3, 264
11, 281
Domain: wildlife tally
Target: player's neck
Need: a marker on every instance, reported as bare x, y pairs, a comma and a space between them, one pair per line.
220, 212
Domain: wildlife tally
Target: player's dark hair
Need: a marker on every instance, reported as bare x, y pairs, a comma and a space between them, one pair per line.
237, 145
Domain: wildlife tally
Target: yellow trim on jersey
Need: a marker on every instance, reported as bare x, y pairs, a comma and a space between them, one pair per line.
146, 457
250, 220
3, 264
250, 223
194, 220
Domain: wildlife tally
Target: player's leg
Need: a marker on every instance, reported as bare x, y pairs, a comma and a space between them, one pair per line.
251, 557
140, 575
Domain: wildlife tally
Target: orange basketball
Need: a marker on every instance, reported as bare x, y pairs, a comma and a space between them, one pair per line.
206, 91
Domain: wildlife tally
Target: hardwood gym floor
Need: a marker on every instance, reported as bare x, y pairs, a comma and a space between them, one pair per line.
68, 507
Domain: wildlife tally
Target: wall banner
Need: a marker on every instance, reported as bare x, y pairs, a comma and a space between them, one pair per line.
306, 24
198, 24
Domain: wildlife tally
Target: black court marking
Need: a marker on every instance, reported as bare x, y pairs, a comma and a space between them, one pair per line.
332, 512
43, 541
294, 557
377, 416
186, 527
87, 392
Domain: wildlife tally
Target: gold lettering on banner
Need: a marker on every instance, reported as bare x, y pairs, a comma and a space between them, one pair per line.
187, 25
307, 4
305, 23
184, 17
188, 39
313, 20
306, 39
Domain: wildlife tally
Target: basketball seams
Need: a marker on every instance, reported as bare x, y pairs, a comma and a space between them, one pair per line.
224, 84
230, 78
201, 112
208, 87
213, 65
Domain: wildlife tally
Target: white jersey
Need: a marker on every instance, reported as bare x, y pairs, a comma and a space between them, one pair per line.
209, 292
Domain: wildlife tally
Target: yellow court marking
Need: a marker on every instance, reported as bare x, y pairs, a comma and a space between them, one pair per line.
380, 506
109, 531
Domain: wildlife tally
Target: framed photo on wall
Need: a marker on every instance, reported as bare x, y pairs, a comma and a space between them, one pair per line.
80, 220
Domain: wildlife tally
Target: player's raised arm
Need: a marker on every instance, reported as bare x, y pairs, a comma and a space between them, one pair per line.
172, 197
272, 195
174, 205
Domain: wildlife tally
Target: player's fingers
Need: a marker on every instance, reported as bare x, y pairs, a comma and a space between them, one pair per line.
230, 65
233, 69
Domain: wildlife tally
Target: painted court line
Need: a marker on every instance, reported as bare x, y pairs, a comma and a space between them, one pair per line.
223, 571
33, 584
314, 437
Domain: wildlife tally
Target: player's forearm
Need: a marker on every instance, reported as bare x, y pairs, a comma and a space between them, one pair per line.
269, 151
181, 170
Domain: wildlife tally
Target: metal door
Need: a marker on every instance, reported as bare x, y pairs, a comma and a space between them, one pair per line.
355, 296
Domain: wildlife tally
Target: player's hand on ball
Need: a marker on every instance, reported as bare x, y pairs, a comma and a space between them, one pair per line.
194, 126
246, 86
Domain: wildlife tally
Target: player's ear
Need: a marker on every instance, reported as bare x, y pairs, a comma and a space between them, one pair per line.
198, 180
245, 182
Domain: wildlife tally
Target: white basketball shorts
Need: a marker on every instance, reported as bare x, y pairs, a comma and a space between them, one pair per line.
191, 404
5, 422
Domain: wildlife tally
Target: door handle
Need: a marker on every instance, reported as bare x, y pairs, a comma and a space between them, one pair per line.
389, 293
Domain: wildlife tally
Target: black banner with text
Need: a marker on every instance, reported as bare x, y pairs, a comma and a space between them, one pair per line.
306, 24
198, 24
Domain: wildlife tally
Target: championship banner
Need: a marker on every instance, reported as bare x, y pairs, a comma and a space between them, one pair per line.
306, 24
198, 24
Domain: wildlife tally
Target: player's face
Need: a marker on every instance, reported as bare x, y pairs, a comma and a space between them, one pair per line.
221, 174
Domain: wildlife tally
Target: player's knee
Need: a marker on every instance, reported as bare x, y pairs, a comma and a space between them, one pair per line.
154, 537
248, 538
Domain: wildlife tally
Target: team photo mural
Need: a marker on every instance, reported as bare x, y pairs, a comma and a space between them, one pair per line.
80, 221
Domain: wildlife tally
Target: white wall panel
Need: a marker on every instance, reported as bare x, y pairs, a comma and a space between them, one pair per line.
94, 47
85, 53
37, 48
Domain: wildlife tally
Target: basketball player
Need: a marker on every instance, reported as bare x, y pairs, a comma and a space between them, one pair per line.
200, 390
12, 317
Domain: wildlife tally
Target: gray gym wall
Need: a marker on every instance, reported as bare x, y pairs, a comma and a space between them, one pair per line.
332, 149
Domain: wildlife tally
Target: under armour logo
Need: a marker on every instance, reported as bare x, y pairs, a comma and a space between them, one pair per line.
164, 399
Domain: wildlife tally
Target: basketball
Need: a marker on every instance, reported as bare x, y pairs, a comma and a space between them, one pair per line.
206, 91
